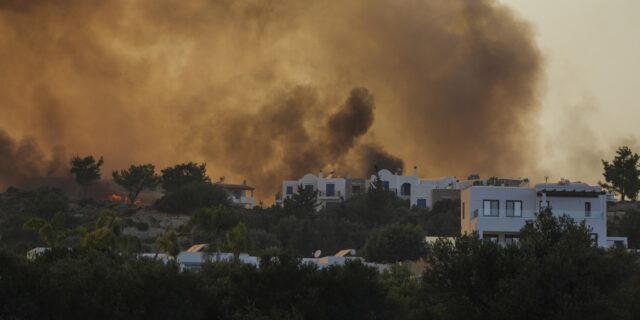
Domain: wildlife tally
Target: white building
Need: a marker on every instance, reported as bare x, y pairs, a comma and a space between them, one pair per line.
418, 191
332, 189
239, 194
341, 258
499, 212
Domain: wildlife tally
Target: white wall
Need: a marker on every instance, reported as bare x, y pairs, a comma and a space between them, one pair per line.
420, 188
474, 196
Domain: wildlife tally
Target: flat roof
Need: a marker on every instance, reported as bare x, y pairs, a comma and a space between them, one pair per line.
234, 186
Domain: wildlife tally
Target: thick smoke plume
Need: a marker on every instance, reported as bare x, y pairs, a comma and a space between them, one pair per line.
23, 161
270, 90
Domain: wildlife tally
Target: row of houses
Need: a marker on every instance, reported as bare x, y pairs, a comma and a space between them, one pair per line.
194, 258
495, 209
332, 189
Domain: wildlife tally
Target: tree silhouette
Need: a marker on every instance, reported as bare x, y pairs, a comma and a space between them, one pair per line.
136, 179
622, 174
86, 171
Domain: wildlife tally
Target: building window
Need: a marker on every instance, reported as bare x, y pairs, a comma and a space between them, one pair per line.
289, 190
511, 238
331, 189
238, 194
405, 189
308, 187
491, 208
491, 237
355, 189
514, 208
463, 207
422, 203
587, 209
385, 185
594, 238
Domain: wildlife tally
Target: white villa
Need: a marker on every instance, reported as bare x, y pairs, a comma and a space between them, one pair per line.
239, 194
332, 189
499, 212
418, 191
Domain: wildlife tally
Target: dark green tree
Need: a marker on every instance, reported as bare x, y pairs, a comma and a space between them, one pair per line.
192, 196
238, 239
555, 272
211, 224
443, 219
105, 234
627, 226
302, 203
136, 179
53, 232
45, 202
180, 175
168, 243
622, 174
86, 171
394, 243
188, 188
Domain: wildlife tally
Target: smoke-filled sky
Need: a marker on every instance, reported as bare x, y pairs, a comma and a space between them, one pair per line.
270, 90
591, 102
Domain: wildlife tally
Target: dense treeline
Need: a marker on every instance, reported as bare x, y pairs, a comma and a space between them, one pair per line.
374, 218
555, 272
376, 221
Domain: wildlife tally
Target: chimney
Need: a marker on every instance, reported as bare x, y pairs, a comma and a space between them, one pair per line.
222, 179
244, 182
320, 175
415, 171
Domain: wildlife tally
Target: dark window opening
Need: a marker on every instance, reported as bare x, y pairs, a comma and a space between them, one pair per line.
405, 189
463, 207
331, 189
587, 209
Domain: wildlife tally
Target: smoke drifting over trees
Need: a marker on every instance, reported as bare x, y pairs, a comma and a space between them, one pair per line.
270, 90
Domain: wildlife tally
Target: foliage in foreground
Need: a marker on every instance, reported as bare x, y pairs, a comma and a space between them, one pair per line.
555, 272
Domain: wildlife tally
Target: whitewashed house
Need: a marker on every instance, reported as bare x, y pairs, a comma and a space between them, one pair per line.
418, 191
330, 189
499, 212
239, 194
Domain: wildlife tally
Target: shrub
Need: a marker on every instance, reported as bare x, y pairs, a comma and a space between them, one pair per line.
142, 226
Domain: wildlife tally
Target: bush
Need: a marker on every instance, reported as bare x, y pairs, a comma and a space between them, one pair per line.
394, 243
142, 226
45, 202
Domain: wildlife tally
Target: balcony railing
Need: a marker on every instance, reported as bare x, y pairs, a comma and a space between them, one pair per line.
336, 194
531, 214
